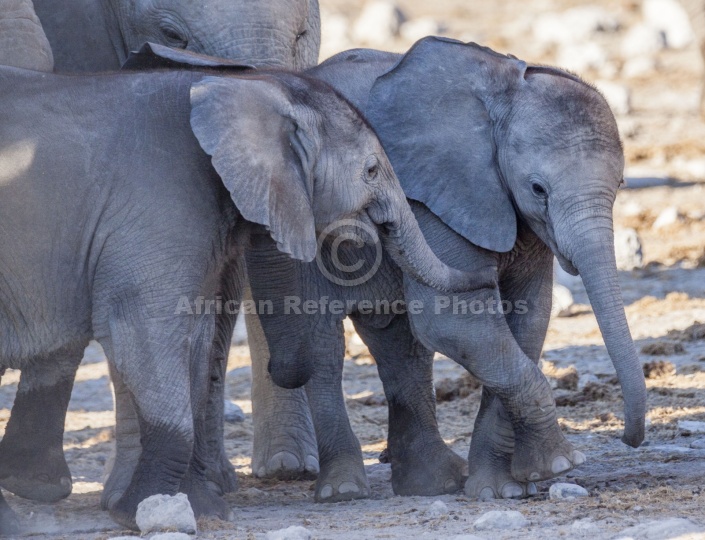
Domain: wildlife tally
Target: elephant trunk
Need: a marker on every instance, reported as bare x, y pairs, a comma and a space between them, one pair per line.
404, 241
595, 260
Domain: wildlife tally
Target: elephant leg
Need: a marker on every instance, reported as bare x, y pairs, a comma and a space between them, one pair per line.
284, 444
342, 475
422, 464
484, 345
32, 463
9, 524
492, 445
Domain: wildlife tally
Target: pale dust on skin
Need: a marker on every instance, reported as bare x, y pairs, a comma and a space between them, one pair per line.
663, 479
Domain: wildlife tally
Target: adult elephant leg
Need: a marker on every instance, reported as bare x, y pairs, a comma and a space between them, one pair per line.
527, 288
284, 444
32, 463
422, 464
342, 475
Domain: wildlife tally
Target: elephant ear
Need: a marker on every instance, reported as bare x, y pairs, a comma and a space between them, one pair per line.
154, 56
431, 114
263, 150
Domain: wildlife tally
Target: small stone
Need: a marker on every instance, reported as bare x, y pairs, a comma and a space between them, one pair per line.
295, 532
585, 526
416, 29
691, 426
698, 444
378, 23
164, 512
617, 95
563, 491
642, 40
232, 412
662, 529
501, 519
170, 536
669, 216
562, 300
628, 250
437, 509
669, 17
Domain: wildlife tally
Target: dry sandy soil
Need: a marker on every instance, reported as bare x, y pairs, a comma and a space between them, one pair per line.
665, 478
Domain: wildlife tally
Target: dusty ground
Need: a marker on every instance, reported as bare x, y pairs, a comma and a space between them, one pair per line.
665, 478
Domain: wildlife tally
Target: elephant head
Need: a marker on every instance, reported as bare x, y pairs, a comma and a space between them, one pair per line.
479, 137
23, 42
315, 161
266, 33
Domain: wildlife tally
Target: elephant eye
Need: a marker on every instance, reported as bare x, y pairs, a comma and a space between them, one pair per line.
538, 189
372, 171
173, 38
300, 35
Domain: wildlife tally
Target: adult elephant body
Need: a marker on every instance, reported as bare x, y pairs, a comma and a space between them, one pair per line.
509, 165
98, 35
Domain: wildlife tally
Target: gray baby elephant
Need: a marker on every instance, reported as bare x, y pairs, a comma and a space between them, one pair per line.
118, 196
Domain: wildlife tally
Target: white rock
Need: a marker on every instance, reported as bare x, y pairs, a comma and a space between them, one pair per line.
290, 533
669, 17
171, 536
641, 40
631, 209
561, 491
163, 512
662, 529
573, 25
628, 250
698, 444
585, 526
580, 57
378, 23
617, 95
562, 300
501, 519
586, 379
437, 509
669, 216
692, 426
232, 412
416, 29
639, 66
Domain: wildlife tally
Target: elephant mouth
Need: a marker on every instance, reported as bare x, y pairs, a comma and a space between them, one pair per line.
566, 265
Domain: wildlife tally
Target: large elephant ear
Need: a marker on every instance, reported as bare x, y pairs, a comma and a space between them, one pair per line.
431, 114
263, 150
155, 56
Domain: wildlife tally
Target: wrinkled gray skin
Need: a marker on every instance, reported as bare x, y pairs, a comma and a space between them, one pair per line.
24, 45
96, 35
696, 12
515, 165
314, 161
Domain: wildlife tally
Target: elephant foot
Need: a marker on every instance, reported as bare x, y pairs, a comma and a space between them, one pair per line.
39, 476
9, 524
294, 463
221, 477
488, 484
543, 457
121, 466
205, 502
428, 472
344, 479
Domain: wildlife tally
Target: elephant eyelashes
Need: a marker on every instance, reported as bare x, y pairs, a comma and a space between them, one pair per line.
174, 38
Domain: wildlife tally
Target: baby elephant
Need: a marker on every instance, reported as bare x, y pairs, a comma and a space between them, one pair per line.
117, 204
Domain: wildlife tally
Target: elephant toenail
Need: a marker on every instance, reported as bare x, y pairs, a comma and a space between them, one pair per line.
348, 487
65, 482
261, 472
531, 489
487, 494
534, 476
311, 464
326, 491
230, 516
113, 498
512, 490
560, 464
578, 458
450, 486
284, 461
